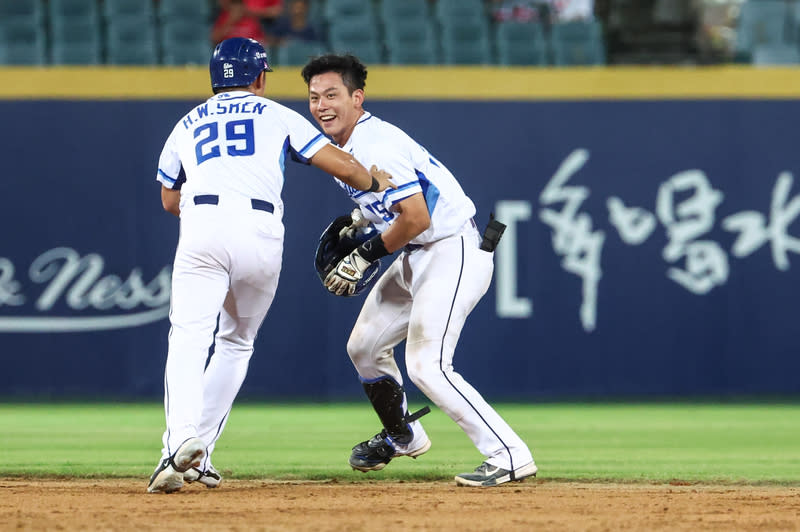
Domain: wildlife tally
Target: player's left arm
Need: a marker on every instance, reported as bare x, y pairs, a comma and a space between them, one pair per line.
412, 220
171, 200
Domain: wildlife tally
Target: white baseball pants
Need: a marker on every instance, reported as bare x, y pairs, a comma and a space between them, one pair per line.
227, 264
425, 297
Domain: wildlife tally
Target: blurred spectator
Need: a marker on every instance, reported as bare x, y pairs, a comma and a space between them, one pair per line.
541, 10
517, 10
570, 10
294, 25
245, 18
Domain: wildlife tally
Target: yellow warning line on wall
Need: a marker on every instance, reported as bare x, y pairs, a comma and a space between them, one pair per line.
419, 83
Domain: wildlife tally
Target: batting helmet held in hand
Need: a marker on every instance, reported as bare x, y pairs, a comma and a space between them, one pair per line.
332, 248
237, 62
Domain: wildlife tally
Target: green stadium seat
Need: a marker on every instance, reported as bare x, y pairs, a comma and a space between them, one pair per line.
131, 41
413, 54
75, 31
185, 30
187, 53
409, 41
357, 35
369, 52
577, 43
185, 41
24, 11
761, 22
115, 9
446, 11
775, 54
73, 9
334, 9
466, 42
520, 43
76, 53
23, 41
391, 11
297, 53
173, 10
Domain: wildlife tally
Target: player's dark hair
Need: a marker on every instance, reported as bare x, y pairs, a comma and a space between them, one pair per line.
353, 71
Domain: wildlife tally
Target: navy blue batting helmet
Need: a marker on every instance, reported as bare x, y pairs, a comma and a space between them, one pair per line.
333, 247
237, 62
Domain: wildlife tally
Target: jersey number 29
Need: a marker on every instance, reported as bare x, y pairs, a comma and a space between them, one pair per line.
239, 140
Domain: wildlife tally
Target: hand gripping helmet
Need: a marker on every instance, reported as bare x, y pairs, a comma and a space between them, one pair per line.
332, 248
237, 62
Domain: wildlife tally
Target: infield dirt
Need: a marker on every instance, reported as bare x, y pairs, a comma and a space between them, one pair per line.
533, 505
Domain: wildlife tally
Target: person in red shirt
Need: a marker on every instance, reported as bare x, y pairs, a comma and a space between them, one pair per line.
245, 18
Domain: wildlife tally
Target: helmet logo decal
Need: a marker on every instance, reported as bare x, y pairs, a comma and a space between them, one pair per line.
227, 70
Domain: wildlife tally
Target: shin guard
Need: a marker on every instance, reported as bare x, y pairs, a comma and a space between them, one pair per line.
388, 400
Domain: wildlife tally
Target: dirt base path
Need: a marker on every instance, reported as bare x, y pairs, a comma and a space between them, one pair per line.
533, 505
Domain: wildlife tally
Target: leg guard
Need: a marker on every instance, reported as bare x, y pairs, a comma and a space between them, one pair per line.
388, 400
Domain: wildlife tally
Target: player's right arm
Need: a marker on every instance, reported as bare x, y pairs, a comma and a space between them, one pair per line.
171, 200
344, 166
309, 146
171, 176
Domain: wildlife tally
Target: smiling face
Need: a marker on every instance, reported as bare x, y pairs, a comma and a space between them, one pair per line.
333, 107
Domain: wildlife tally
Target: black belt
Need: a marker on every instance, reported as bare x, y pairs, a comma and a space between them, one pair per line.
213, 199
408, 248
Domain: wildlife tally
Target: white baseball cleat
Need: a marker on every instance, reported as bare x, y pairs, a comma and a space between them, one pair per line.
486, 475
168, 476
210, 478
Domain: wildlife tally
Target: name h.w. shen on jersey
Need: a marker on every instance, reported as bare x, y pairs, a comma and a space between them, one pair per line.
66, 291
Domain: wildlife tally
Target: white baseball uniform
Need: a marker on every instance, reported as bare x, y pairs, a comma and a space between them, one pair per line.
227, 157
426, 294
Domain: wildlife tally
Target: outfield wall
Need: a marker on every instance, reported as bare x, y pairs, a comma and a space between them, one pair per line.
651, 249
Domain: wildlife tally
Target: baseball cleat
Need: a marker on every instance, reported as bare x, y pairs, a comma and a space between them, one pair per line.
210, 478
168, 476
486, 475
375, 453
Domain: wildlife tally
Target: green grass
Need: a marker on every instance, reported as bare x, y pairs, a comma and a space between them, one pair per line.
709, 443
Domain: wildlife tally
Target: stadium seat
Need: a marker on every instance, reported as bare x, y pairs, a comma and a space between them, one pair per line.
76, 53
73, 9
466, 42
187, 53
131, 41
23, 41
409, 41
334, 9
172, 10
459, 10
413, 54
357, 35
775, 54
391, 11
297, 53
368, 52
12, 11
117, 9
185, 41
577, 43
520, 44
474, 53
75, 31
761, 22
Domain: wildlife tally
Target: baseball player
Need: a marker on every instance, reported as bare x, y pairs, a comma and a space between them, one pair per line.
221, 171
424, 296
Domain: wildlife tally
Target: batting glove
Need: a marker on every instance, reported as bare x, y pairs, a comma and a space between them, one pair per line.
358, 222
342, 279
